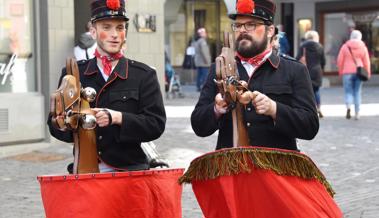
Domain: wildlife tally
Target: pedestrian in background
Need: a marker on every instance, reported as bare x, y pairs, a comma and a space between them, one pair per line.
202, 58
275, 45
275, 42
352, 53
86, 46
189, 56
314, 55
284, 45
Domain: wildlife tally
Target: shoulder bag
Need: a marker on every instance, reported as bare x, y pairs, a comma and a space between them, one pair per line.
361, 71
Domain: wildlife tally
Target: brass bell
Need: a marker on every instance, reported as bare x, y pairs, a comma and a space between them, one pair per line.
244, 98
89, 94
88, 121
244, 84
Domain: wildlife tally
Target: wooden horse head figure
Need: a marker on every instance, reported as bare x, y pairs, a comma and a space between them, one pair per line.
70, 111
231, 89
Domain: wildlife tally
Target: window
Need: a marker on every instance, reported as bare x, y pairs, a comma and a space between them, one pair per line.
374, 50
200, 17
337, 31
17, 61
304, 25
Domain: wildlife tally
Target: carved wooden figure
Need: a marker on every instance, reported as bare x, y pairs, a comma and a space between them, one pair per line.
70, 109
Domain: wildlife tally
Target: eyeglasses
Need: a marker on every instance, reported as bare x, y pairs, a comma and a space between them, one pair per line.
250, 26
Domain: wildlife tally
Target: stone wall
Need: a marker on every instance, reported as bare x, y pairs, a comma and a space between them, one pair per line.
61, 37
147, 47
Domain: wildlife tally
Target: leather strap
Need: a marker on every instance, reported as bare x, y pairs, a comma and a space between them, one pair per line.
109, 116
355, 61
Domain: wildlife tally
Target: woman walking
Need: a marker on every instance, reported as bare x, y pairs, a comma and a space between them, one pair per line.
314, 55
352, 54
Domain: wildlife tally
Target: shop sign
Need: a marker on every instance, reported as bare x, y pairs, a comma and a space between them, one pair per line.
145, 23
365, 17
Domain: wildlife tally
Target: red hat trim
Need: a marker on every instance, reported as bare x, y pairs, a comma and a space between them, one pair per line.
113, 4
245, 6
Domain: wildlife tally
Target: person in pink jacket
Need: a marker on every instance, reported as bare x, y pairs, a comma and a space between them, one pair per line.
347, 69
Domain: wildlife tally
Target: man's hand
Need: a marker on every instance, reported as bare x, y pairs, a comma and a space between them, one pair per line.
220, 105
106, 117
263, 104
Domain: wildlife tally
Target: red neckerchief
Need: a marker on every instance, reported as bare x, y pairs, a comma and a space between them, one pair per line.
107, 61
256, 60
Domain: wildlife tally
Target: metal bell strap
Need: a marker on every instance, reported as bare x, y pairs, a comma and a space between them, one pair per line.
65, 102
84, 115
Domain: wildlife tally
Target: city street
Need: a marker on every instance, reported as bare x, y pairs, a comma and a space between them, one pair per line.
345, 150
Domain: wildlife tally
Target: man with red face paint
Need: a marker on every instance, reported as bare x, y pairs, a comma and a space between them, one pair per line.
129, 106
282, 108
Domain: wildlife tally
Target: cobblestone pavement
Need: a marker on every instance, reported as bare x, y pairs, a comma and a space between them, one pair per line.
346, 151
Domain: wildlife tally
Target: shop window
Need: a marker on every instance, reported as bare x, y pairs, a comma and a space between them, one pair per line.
200, 17
17, 63
337, 31
304, 25
374, 52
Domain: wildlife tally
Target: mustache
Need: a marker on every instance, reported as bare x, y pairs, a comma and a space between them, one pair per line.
244, 36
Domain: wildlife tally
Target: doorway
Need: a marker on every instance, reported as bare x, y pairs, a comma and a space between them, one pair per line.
82, 14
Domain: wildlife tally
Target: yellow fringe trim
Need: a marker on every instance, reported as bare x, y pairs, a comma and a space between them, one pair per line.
233, 161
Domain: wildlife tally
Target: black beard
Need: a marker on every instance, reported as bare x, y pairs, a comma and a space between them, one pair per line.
250, 51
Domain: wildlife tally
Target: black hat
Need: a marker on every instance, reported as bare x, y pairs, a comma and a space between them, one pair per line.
262, 9
105, 9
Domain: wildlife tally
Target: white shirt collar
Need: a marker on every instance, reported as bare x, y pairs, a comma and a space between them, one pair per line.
250, 69
102, 72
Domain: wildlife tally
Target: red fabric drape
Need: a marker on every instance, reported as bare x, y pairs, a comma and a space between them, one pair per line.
262, 194
139, 194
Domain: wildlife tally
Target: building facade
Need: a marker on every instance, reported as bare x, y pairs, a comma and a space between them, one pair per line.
333, 19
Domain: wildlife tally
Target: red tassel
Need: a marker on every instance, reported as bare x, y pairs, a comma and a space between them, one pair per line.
113, 4
245, 6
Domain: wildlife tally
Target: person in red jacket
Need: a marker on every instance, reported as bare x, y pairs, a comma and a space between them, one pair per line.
353, 49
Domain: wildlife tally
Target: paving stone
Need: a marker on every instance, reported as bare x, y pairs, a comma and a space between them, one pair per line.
345, 150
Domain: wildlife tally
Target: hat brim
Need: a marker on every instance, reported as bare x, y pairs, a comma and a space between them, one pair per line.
116, 16
234, 17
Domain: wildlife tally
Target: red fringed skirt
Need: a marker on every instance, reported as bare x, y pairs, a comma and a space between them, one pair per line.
255, 182
136, 194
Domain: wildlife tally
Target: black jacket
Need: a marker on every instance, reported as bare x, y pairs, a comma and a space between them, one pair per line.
315, 57
133, 89
285, 81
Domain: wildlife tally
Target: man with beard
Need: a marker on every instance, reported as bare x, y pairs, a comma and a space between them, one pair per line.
129, 107
282, 106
